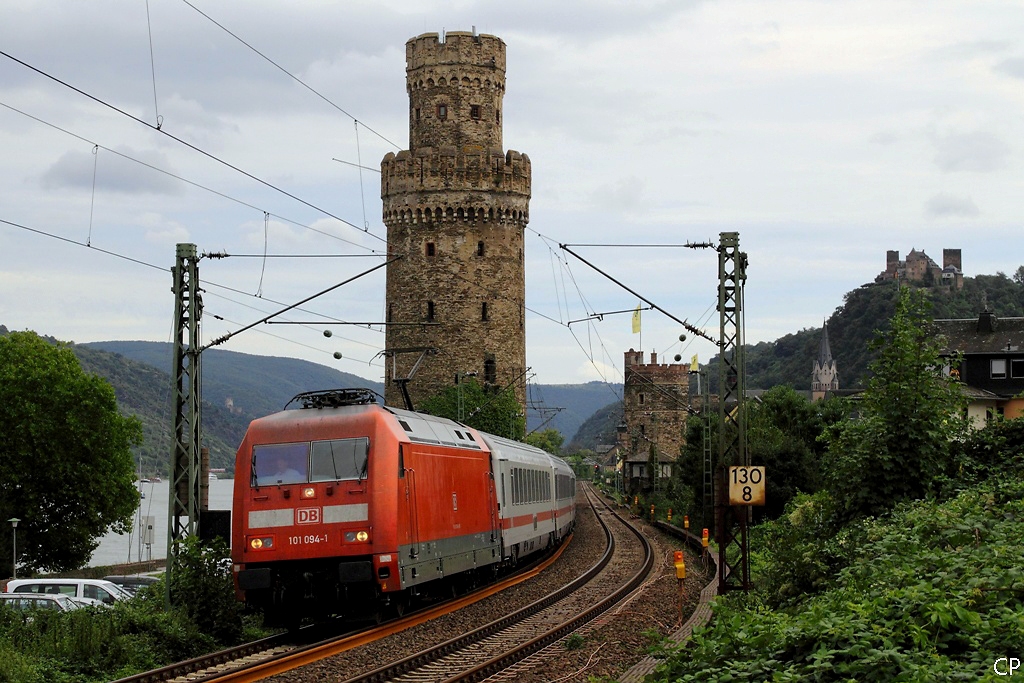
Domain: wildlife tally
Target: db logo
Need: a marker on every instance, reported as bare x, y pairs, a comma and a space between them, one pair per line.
307, 515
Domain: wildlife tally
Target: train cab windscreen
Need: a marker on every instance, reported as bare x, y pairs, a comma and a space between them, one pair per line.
280, 463
339, 459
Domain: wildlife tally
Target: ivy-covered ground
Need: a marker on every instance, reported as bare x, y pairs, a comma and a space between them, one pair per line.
933, 592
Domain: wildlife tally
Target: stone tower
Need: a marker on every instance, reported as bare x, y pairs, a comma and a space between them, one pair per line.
455, 207
655, 403
824, 375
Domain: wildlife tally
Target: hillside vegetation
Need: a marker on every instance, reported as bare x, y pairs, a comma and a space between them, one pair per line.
788, 360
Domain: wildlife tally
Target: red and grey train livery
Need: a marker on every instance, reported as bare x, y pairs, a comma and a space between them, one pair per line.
344, 505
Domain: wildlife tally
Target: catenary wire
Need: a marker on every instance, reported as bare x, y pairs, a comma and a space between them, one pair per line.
195, 148
186, 180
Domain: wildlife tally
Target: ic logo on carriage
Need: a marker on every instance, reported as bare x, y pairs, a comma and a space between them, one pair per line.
307, 516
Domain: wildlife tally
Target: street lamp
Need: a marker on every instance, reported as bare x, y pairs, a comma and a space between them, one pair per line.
14, 540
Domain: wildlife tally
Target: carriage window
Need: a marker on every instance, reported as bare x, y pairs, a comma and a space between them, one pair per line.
280, 463
339, 459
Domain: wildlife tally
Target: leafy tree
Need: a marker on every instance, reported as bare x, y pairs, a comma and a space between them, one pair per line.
66, 468
783, 432
473, 404
549, 440
910, 414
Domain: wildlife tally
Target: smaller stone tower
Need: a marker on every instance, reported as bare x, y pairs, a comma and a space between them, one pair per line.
824, 376
655, 402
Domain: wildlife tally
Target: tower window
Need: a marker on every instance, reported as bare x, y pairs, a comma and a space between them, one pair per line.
497, 116
442, 111
480, 248
483, 311
641, 399
430, 249
474, 112
417, 114
490, 371
430, 311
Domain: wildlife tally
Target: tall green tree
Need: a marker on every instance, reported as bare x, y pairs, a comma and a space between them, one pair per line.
549, 440
783, 434
66, 467
480, 407
910, 415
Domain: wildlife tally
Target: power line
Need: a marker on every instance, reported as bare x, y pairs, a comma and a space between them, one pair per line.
206, 283
289, 74
186, 180
188, 144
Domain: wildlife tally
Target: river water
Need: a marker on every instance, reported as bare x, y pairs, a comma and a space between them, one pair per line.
120, 548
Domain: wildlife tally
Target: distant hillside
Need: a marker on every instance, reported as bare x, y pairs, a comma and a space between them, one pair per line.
789, 359
145, 392
245, 384
577, 402
601, 428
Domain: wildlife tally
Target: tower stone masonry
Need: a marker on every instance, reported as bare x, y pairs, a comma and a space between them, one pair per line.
455, 206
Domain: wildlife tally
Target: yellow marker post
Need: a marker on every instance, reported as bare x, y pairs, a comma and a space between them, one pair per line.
680, 564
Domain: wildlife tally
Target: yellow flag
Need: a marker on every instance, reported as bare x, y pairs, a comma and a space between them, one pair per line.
694, 365
636, 320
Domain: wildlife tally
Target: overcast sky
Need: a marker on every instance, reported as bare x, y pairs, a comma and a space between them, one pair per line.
824, 133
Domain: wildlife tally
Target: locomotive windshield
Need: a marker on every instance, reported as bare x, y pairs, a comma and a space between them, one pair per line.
280, 463
298, 463
339, 459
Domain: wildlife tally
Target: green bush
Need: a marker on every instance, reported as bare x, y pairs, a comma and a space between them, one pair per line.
935, 593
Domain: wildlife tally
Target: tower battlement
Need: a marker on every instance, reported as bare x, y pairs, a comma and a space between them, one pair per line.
469, 172
456, 88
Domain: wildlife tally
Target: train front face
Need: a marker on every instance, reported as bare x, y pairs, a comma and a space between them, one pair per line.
313, 526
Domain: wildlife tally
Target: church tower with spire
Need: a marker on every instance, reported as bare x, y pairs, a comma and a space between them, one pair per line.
455, 205
824, 376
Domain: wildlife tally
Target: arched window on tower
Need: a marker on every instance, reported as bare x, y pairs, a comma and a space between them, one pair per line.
430, 311
480, 248
483, 311
490, 371
431, 250
474, 112
442, 111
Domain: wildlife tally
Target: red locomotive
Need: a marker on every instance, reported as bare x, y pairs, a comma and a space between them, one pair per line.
344, 506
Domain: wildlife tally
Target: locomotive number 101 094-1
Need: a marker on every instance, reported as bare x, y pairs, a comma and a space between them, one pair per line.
307, 539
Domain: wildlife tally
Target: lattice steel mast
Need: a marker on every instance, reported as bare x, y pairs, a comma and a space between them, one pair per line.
183, 508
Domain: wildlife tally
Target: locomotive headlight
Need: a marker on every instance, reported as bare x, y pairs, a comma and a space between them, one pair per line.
362, 536
308, 492
261, 542
357, 536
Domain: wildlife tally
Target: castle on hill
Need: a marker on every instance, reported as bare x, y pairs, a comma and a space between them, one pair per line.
920, 269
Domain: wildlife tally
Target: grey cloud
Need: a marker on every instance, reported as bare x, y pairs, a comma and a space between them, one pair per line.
113, 172
1011, 67
979, 152
945, 205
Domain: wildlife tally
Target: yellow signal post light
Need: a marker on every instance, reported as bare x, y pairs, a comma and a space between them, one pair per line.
670, 514
652, 512
686, 521
680, 565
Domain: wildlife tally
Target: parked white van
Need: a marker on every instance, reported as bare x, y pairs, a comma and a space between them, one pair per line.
86, 591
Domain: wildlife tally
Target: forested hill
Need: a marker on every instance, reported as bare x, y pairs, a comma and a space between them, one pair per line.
789, 359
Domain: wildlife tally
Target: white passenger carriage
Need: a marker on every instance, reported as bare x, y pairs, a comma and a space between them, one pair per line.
536, 494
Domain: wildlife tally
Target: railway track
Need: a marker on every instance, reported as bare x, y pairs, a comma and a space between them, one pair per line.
497, 644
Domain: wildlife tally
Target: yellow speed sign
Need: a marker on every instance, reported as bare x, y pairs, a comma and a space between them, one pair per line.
746, 485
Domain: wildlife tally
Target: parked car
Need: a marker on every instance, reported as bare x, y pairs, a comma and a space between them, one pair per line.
88, 591
31, 601
133, 582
